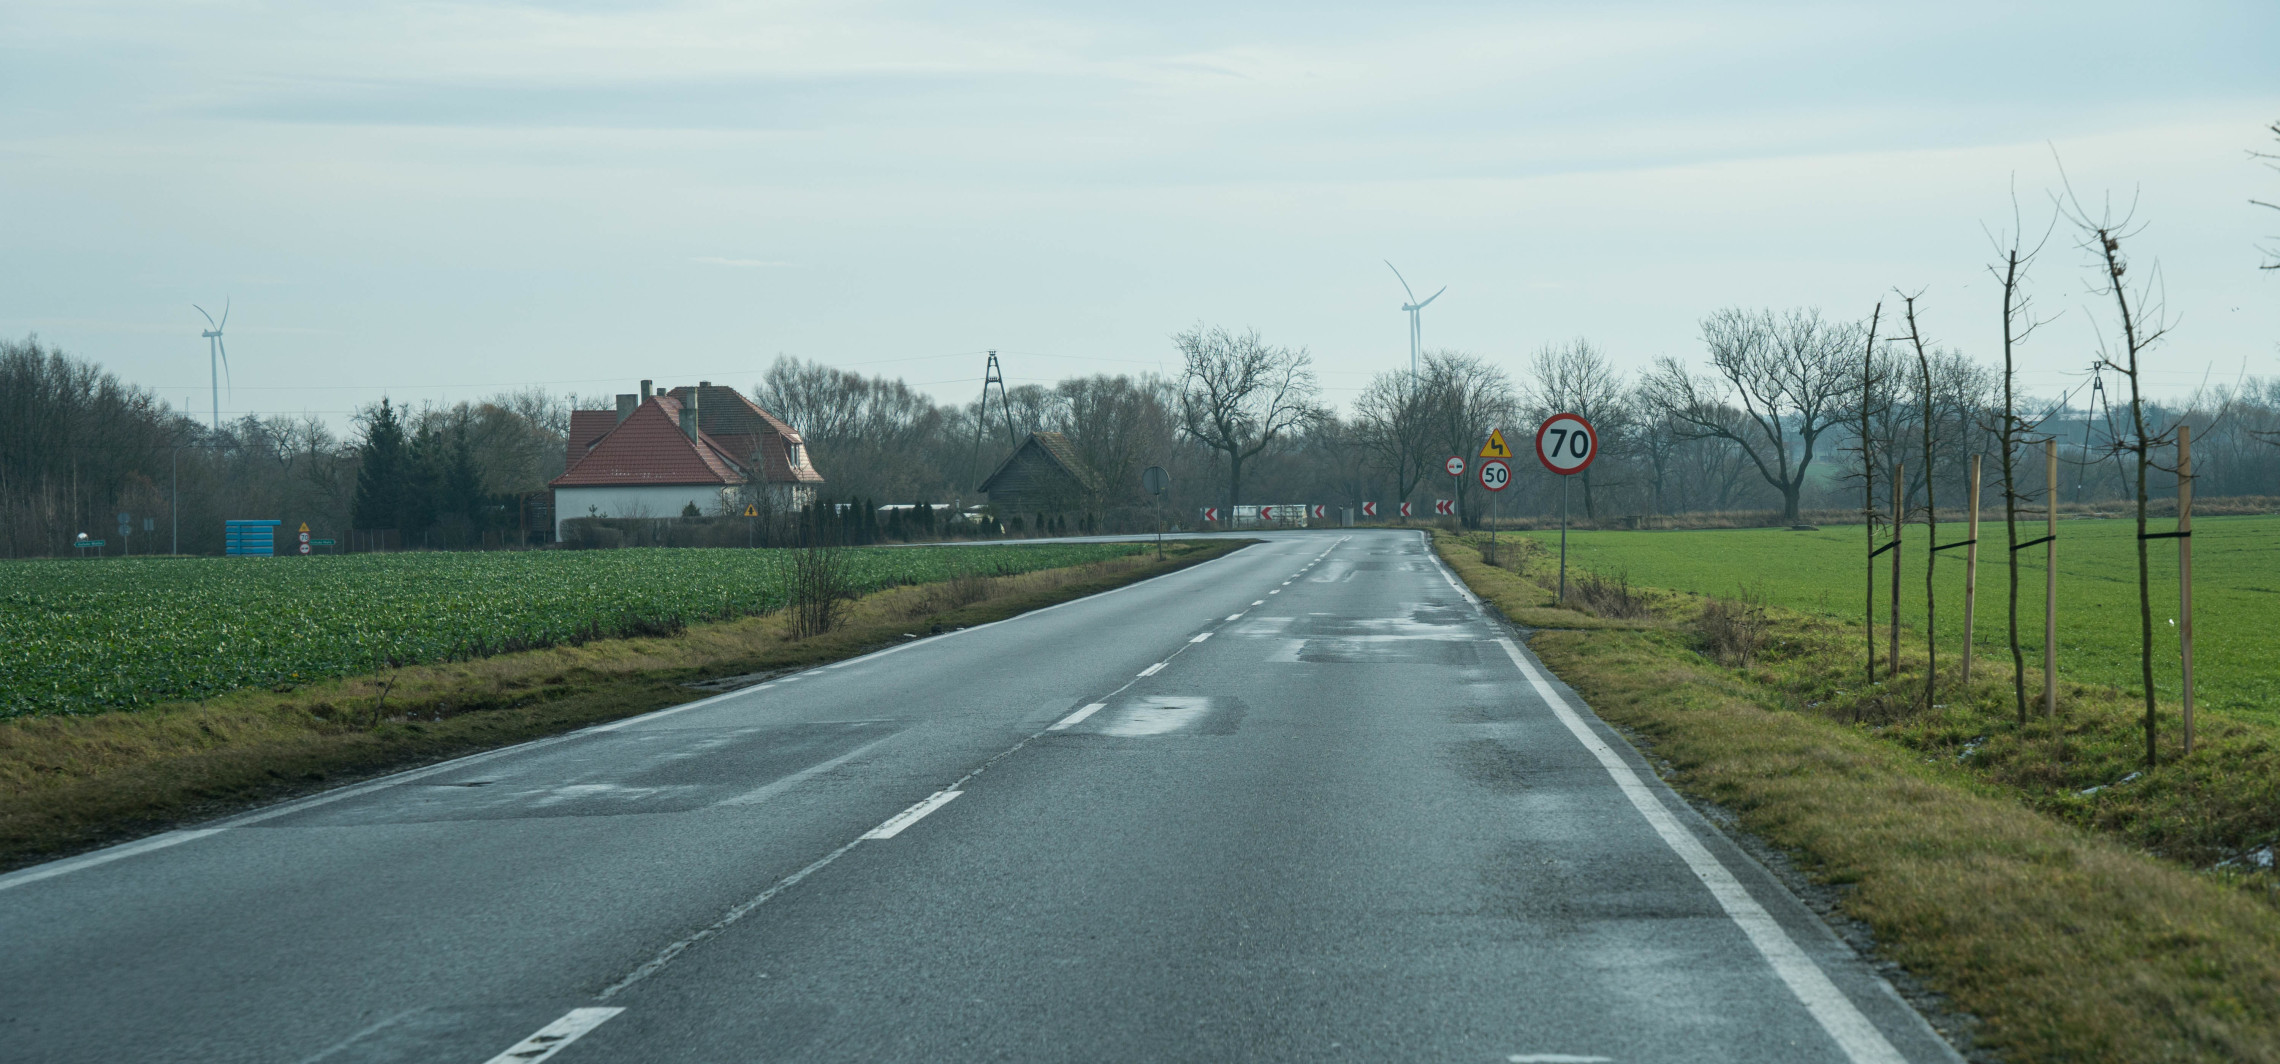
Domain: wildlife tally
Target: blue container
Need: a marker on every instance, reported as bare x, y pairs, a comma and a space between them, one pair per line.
255, 539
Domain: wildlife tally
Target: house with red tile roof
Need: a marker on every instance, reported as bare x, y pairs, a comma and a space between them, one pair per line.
660, 453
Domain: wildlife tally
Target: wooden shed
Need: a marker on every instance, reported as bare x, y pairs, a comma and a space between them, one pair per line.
1043, 475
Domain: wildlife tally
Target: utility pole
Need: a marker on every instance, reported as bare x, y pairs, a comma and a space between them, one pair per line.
992, 377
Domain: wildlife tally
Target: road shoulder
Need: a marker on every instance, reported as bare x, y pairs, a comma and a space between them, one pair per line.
2066, 945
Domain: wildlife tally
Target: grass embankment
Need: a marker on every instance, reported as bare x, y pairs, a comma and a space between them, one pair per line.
71, 782
1959, 839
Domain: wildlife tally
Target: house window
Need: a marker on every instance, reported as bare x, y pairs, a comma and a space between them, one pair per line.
796, 457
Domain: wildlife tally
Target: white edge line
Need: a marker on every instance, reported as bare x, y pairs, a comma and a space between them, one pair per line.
1836, 1013
549, 1040
73, 864
1077, 717
1829, 1006
896, 823
1153, 669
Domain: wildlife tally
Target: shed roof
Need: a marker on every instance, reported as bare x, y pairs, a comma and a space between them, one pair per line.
1058, 451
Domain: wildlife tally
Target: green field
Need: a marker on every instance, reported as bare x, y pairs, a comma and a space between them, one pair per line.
83, 636
2236, 592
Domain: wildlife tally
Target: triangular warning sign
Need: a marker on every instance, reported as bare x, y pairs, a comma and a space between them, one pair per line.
1495, 447
304, 526
751, 510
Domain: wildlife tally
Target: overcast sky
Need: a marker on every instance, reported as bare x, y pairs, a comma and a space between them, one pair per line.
441, 200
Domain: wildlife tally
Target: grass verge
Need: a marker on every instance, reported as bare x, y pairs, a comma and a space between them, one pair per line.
71, 783
2032, 906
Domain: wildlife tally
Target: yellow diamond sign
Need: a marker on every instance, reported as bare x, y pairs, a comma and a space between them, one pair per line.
1495, 447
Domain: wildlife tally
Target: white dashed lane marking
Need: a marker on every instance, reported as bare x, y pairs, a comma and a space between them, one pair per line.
549, 1040
1079, 716
895, 825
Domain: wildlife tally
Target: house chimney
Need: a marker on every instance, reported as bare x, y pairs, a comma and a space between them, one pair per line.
645, 391
626, 402
689, 413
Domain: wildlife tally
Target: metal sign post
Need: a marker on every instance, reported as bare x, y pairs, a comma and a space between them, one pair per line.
1155, 482
1495, 475
1456, 468
1574, 446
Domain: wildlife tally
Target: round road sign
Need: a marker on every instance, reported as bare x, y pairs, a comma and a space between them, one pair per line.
1455, 466
304, 548
1566, 444
1495, 475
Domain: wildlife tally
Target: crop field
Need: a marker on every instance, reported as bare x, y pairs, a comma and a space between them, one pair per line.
2236, 593
84, 636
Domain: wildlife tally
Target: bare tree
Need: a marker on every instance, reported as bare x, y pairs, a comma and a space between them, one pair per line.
1576, 378
1119, 426
2141, 320
1240, 396
2271, 251
1394, 423
1866, 402
1465, 397
1928, 420
2010, 268
1776, 385
1655, 438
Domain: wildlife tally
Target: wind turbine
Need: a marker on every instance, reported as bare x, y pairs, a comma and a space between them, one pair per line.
217, 356
1416, 323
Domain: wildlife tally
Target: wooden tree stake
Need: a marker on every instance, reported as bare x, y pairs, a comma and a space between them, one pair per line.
2185, 568
1971, 577
2050, 581
1899, 478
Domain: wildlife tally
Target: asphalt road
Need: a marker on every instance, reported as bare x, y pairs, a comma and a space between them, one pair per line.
1305, 802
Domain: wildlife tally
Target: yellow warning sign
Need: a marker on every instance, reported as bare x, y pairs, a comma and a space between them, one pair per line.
304, 526
1495, 447
751, 510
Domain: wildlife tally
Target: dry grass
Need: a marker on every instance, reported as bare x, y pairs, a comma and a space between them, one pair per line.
1966, 845
71, 782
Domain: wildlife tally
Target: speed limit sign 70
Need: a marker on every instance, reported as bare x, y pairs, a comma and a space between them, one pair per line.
1566, 444
1495, 475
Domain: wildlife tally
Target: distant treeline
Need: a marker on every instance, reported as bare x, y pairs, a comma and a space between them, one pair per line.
1736, 434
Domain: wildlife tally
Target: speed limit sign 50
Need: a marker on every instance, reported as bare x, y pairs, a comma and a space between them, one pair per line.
1495, 475
1566, 444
